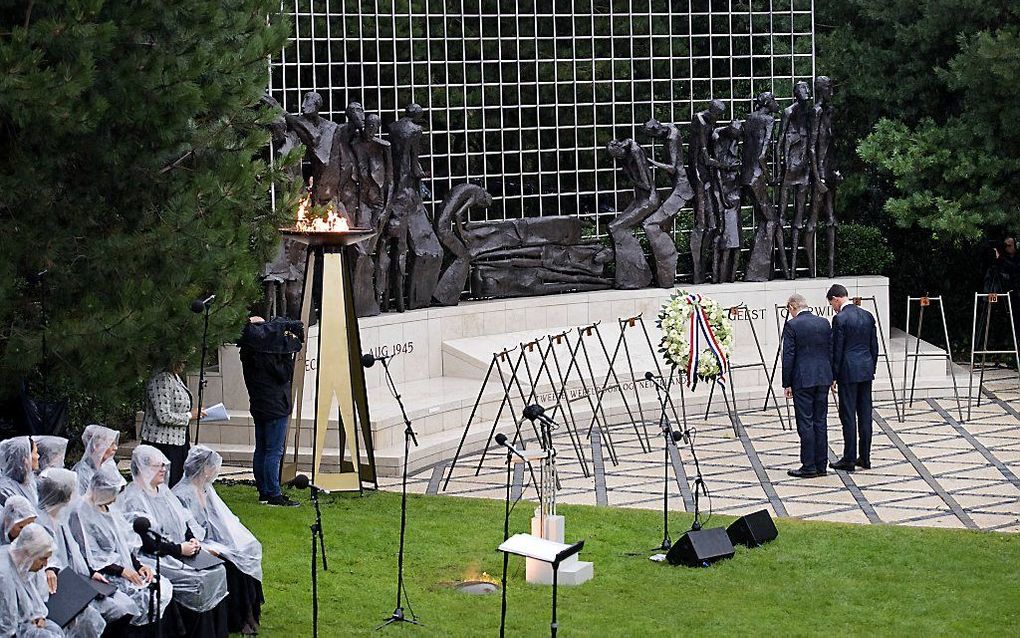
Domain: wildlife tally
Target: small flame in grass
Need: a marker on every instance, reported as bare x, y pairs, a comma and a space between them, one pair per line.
332, 222
473, 573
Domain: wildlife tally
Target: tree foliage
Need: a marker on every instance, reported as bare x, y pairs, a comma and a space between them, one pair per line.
134, 171
928, 91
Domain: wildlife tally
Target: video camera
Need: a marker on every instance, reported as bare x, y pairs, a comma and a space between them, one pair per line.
278, 336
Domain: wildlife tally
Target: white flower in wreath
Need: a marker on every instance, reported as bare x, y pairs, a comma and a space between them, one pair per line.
674, 319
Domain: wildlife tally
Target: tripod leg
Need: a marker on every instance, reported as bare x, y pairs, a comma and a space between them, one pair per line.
467, 426
917, 350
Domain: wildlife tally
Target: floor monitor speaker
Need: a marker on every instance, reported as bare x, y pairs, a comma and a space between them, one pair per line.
701, 548
753, 530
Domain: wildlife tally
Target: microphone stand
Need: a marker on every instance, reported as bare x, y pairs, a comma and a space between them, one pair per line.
155, 588
409, 437
699, 485
667, 433
318, 540
506, 535
201, 372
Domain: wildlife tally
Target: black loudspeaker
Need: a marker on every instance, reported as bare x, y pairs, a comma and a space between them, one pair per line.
753, 530
701, 548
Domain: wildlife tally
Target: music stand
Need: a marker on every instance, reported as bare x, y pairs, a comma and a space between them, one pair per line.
546, 551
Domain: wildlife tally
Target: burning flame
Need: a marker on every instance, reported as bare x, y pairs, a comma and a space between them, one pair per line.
333, 222
473, 574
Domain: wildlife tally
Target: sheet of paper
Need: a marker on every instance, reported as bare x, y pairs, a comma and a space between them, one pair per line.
532, 547
216, 413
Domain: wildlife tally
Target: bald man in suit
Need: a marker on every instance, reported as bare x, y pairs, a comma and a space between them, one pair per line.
807, 377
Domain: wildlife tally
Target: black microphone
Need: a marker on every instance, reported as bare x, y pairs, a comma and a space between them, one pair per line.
536, 411
502, 440
533, 412
300, 481
198, 306
143, 527
368, 359
651, 377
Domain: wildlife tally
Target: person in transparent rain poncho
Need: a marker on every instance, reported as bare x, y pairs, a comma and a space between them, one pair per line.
200, 594
58, 497
105, 538
25, 591
52, 451
18, 462
225, 536
17, 514
100, 446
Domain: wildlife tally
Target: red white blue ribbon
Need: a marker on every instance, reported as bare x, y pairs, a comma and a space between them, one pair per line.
700, 329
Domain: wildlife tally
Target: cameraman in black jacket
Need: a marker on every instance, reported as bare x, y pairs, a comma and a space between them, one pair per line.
267, 360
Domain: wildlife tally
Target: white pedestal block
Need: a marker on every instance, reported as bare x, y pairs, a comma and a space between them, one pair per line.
571, 571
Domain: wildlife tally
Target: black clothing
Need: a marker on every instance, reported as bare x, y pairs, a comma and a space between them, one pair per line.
807, 352
267, 361
209, 624
244, 602
855, 415
807, 369
176, 454
811, 405
854, 359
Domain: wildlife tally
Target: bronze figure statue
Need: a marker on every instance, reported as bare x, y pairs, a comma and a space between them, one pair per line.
450, 228
632, 269
659, 225
795, 165
348, 193
755, 179
726, 160
421, 256
375, 166
702, 176
824, 177
328, 150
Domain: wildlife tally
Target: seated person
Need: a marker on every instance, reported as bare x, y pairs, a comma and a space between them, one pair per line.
52, 450
200, 594
103, 537
17, 514
18, 462
225, 536
58, 496
100, 446
25, 591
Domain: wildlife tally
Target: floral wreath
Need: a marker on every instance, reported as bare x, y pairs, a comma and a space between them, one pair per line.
697, 336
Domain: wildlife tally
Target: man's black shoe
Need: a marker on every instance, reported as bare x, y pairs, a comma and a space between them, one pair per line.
845, 466
864, 465
281, 501
802, 473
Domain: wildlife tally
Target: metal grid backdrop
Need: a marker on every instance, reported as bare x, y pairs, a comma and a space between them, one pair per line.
522, 95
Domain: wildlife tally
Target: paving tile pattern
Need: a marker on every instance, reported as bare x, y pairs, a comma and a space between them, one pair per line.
932, 470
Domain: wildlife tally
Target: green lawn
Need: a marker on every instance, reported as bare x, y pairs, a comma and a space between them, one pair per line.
816, 579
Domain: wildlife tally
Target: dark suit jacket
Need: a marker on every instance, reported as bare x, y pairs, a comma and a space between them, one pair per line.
807, 351
854, 345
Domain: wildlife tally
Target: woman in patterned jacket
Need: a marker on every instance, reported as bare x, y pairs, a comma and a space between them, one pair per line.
168, 411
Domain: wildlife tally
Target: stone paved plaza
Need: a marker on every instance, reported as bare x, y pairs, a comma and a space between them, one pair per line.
930, 470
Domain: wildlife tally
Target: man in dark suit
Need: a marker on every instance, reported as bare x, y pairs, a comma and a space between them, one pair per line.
807, 377
854, 358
